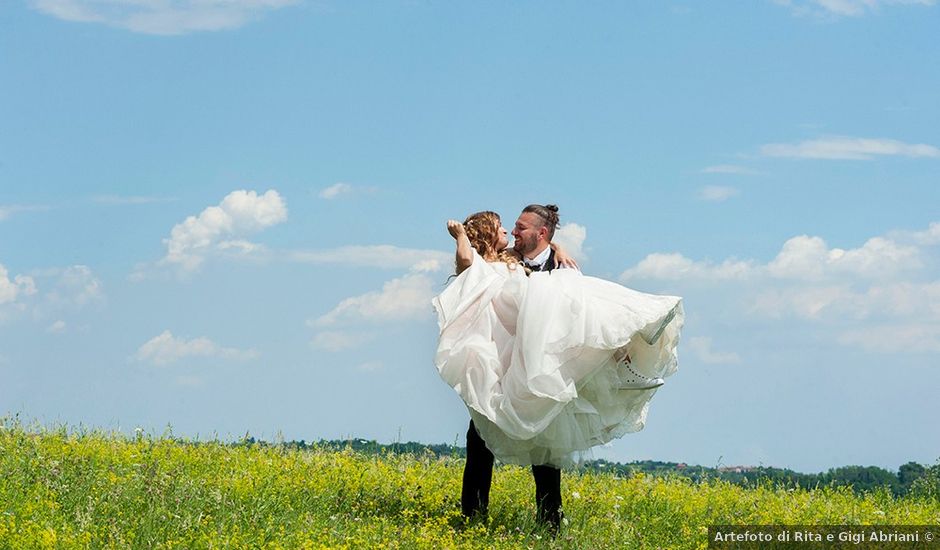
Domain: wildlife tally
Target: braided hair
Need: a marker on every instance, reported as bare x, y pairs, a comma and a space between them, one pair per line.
548, 214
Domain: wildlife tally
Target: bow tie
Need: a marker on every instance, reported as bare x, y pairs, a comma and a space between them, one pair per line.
534, 266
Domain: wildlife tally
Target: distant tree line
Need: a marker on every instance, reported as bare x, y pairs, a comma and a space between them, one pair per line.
911, 478
369, 446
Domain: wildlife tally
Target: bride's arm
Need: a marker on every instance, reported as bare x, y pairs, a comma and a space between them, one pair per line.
464, 250
562, 259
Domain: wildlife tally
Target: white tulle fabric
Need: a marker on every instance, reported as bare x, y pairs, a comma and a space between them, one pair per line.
537, 359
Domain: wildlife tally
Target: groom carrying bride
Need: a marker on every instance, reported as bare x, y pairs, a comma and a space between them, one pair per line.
533, 233
549, 365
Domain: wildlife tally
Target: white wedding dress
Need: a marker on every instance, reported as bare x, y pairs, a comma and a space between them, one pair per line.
539, 360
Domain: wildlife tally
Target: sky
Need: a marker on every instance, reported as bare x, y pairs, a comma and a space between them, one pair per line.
221, 218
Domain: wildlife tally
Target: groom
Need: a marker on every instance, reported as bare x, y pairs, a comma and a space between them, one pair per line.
533, 234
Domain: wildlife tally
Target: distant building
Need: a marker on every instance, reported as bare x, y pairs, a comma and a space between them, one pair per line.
737, 469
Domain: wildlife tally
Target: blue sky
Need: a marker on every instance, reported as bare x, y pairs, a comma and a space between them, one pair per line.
229, 217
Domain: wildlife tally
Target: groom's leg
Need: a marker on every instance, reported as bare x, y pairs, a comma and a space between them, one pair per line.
477, 475
547, 495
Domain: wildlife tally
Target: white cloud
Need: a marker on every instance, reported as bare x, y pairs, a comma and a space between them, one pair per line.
571, 237
404, 298
717, 193
928, 237
56, 327
161, 17
887, 281
334, 340
848, 148
728, 169
904, 299
808, 302
895, 339
675, 266
428, 266
12, 289
383, 256
166, 348
335, 190
809, 258
77, 286
338, 189
64, 289
240, 246
907, 338
701, 346
899, 300
7, 210
239, 213
801, 258
844, 8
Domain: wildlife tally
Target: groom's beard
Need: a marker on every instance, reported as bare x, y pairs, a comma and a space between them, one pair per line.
522, 247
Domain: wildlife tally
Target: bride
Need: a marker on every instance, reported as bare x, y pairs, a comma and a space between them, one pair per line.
549, 364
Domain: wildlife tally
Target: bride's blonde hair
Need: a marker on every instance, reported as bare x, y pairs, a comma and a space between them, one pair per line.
483, 232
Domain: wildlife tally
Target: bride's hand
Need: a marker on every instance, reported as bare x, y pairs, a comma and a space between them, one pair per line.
562, 259
455, 228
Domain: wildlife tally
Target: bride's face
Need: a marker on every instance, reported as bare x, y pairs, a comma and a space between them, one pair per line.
502, 239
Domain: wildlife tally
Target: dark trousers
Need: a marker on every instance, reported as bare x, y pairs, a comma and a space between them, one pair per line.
478, 476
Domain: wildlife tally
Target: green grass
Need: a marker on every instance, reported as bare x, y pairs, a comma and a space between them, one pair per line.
96, 490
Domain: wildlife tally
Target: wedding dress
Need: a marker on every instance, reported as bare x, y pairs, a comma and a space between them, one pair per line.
545, 363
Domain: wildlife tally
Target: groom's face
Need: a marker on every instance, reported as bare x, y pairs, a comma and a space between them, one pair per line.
528, 234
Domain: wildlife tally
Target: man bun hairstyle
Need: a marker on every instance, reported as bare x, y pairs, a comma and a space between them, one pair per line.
548, 213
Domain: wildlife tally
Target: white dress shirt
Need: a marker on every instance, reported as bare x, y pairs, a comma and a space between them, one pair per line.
540, 259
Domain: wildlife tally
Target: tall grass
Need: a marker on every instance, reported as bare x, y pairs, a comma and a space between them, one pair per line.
61, 489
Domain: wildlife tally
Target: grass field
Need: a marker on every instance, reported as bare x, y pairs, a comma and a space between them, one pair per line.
60, 489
